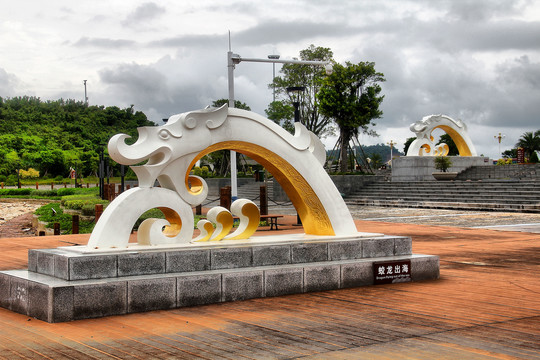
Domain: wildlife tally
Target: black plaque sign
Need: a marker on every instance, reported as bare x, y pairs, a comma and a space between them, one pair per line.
388, 272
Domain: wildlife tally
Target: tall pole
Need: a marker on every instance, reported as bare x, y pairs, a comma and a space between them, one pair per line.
499, 138
391, 143
230, 65
85, 94
273, 57
100, 172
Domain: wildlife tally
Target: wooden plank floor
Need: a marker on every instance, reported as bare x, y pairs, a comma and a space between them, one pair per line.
485, 306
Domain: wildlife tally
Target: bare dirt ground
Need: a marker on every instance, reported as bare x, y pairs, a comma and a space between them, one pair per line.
16, 217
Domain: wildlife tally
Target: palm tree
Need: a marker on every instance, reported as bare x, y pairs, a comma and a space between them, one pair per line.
530, 142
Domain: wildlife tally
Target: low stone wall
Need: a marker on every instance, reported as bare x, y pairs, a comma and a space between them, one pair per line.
214, 184
420, 168
502, 172
346, 184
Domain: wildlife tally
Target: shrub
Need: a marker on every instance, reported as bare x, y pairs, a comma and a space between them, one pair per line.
44, 193
59, 178
46, 215
442, 163
15, 191
504, 161
11, 180
78, 202
65, 191
203, 171
3, 178
29, 174
90, 209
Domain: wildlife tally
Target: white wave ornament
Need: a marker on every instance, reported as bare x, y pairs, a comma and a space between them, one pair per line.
172, 150
424, 144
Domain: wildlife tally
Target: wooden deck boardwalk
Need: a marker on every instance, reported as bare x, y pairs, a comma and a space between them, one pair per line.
486, 305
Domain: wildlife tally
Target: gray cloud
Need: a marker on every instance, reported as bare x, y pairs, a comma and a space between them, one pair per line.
143, 13
483, 10
475, 60
138, 84
276, 31
269, 32
8, 83
189, 41
104, 43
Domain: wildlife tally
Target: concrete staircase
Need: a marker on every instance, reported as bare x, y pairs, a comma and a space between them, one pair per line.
501, 172
499, 195
252, 190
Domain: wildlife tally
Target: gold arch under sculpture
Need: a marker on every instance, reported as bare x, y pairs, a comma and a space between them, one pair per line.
424, 144
171, 151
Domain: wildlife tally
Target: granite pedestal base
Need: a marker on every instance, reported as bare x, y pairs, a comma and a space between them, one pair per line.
63, 285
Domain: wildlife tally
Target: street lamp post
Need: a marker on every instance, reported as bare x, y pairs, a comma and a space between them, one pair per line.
391, 143
499, 138
274, 57
101, 171
296, 92
232, 61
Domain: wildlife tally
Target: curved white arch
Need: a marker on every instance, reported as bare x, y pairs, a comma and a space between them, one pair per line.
172, 150
424, 144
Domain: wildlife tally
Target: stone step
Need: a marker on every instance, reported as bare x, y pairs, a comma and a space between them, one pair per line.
511, 195
507, 207
357, 201
72, 263
478, 194
54, 300
448, 192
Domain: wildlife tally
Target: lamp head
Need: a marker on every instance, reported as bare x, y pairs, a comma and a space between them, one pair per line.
329, 68
295, 92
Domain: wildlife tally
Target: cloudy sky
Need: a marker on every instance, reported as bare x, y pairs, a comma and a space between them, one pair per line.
476, 60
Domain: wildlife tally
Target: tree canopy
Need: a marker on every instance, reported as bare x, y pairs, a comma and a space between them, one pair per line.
309, 76
237, 104
351, 96
529, 141
52, 136
452, 147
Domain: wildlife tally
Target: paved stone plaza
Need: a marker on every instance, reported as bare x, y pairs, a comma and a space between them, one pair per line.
484, 306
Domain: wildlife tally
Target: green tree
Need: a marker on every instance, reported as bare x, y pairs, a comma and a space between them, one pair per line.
376, 160
530, 142
43, 132
309, 76
407, 144
282, 114
452, 147
351, 96
512, 153
237, 104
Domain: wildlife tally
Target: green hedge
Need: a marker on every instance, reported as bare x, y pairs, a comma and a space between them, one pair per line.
24, 191
47, 215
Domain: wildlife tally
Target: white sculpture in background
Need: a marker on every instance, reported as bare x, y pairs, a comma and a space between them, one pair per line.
424, 144
171, 150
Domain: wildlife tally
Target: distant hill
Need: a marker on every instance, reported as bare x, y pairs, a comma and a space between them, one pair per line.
52, 136
370, 150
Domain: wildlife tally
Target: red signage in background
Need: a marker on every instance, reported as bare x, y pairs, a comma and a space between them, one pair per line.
520, 155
